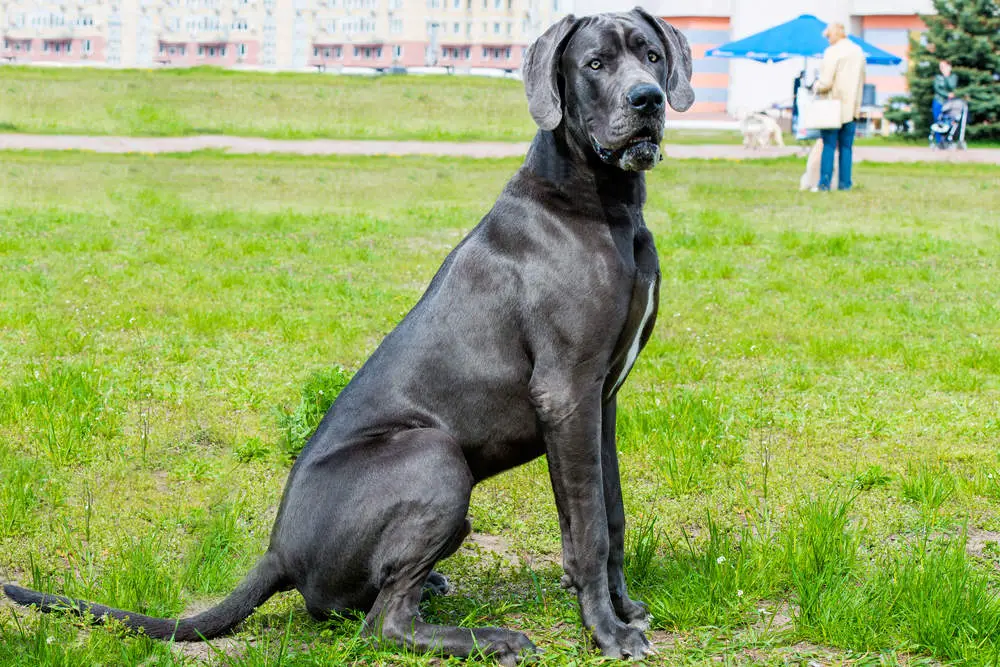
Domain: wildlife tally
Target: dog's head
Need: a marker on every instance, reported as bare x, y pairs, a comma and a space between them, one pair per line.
607, 78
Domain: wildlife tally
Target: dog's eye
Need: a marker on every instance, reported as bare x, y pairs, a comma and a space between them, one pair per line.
653, 56
595, 64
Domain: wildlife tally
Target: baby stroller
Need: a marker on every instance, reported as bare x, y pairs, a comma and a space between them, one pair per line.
948, 130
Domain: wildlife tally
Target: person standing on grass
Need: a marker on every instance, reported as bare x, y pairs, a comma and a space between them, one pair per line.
800, 81
842, 75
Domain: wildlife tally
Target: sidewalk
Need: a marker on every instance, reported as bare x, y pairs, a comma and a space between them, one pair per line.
483, 149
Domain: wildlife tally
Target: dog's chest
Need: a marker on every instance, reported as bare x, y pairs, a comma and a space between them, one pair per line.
639, 320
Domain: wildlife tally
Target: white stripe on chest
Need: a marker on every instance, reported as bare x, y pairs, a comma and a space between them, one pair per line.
633, 349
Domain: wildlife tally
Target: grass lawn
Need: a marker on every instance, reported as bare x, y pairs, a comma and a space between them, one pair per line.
809, 442
178, 102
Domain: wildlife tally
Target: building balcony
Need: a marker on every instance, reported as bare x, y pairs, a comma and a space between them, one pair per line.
213, 37
363, 38
20, 33
55, 32
172, 37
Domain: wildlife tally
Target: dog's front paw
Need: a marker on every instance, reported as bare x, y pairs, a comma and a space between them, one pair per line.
436, 584
624, 642
505, 646
633, 613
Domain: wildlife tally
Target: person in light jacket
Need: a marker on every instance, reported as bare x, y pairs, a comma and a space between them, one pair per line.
842, 76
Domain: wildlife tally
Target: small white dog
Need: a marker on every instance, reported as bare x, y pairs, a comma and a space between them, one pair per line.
810, 179
760, 131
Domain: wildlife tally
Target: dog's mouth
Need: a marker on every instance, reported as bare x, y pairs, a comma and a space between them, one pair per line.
639, 152
640, 139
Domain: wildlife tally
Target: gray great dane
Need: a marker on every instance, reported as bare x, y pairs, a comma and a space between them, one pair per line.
517, 350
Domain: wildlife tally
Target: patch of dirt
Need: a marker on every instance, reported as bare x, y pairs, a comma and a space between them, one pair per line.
198, 606
819, 656
204, 652
662, 639
978, 539
775, 616
160, 482
499, 546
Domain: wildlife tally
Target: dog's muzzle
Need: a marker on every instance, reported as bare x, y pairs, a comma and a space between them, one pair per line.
640, 153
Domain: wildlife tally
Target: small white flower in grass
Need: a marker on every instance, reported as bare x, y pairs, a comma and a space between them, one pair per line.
720, 560
739, 593
50, 639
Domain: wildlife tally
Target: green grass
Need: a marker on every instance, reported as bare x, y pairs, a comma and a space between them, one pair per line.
805, 441
177, 102
206, 100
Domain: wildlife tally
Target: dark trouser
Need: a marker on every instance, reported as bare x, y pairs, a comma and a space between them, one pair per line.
841, 141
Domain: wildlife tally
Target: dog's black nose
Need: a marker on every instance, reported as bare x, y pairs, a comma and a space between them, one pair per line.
646, 98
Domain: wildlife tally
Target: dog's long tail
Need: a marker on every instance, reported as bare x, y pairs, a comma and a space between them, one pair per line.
263, 581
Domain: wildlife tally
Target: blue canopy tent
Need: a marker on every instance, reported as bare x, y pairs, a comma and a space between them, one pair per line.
801, 37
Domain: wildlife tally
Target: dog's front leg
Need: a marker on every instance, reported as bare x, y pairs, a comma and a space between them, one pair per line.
571, 422
632, 612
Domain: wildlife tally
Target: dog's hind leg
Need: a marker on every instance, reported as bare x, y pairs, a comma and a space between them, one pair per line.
416, 539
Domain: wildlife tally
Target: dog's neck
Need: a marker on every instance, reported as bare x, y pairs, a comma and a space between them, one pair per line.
574, 171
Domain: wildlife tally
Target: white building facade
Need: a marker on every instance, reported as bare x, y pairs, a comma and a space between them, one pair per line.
275, 34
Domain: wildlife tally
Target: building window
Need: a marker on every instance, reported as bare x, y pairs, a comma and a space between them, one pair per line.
162, 48
456, 27
508, 53
243, 50
378, 52
201, 50
357, 51
486, 53
496, 28
496, 4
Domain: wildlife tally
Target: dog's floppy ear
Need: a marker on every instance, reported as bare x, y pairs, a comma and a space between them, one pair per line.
679, 92
540, 72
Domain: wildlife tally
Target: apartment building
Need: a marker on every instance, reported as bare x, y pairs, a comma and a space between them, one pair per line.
276, 34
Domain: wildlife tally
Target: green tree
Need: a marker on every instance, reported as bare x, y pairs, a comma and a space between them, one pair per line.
967, 34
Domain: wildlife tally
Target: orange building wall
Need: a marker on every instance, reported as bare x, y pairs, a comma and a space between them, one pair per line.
711, 75
890, 33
